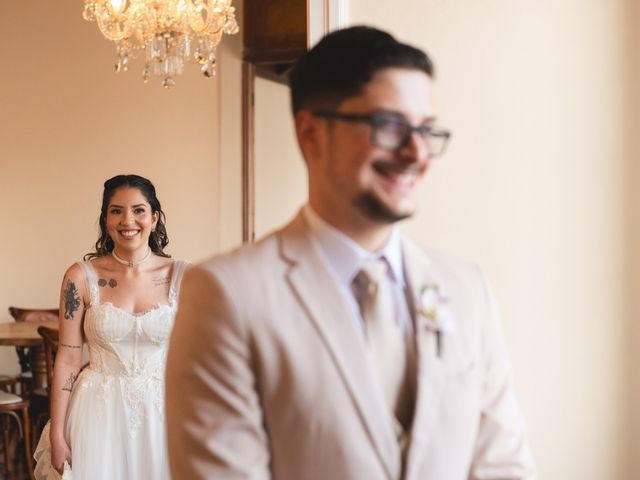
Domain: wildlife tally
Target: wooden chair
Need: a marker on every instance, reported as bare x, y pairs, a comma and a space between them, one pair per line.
41, 405
13, 406
8, 383
51, 338
51, 341
26, 371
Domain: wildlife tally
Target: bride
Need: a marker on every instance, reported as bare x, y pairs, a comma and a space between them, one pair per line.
107, 420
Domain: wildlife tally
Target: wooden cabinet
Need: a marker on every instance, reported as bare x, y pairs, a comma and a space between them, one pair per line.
275, 35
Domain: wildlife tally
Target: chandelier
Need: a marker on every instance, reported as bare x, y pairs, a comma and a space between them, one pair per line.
168, 32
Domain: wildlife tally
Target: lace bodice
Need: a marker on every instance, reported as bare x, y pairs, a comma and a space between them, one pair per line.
128, 349
121, 343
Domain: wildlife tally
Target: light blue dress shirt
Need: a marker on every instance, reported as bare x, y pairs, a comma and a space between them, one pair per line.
345, 258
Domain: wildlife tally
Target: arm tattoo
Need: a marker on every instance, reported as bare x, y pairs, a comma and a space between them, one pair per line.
68, 385
159, 281
71, 300
70, 346
112, 282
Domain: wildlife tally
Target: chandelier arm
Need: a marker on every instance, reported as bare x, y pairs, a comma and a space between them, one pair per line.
170, 32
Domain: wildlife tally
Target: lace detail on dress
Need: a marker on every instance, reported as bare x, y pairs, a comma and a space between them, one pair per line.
139, 387
127, 353
115, 420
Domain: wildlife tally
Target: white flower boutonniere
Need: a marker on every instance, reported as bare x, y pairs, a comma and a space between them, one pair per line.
434, 309
434, 312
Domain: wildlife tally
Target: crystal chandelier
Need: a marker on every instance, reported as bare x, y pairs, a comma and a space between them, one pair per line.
169, 32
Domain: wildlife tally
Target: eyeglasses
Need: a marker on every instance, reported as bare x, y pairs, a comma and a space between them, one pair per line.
393, 132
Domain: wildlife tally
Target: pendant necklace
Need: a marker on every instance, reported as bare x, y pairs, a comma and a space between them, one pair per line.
127, 263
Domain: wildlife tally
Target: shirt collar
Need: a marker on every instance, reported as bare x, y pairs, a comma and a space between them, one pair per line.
345, 256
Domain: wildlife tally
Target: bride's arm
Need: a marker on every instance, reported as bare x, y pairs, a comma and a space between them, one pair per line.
68, 359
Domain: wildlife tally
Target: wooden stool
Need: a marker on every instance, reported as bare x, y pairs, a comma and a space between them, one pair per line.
11, 405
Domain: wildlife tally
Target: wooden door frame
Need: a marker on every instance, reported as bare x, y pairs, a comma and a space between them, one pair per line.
323, 16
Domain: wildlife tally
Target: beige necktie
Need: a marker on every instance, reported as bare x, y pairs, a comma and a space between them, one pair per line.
385, 341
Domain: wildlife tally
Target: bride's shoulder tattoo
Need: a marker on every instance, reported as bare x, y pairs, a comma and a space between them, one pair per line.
71, 300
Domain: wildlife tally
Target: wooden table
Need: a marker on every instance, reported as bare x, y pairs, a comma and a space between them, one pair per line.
25, 334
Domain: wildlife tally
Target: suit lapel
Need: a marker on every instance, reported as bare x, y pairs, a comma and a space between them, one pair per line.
430, 368
332, 317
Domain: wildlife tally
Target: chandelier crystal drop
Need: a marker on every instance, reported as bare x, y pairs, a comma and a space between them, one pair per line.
168, 32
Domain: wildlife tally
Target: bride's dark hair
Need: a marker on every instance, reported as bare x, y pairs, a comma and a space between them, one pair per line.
158, 238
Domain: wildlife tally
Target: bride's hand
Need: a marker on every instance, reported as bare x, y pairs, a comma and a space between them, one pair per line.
60, 453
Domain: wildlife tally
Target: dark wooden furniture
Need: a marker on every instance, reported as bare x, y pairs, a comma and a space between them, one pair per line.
14, 407
25, 334
50, 336
274, 35
41, 401
8, 383
31, 361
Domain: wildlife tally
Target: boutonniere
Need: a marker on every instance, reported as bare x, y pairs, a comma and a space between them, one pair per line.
434, 313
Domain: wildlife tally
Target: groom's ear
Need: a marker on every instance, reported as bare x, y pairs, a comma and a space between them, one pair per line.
310, 133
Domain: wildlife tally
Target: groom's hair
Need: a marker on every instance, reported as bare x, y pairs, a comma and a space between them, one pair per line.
344, 61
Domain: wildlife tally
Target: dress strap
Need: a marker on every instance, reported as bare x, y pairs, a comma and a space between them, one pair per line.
176, 279
92, 282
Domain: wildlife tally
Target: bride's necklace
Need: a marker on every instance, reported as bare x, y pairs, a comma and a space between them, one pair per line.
126, 262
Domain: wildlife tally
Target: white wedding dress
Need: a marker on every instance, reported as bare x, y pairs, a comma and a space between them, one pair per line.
115, 421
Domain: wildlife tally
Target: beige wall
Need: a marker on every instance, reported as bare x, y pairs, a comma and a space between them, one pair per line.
540, 186
533, 189
229, 161
281, 177
633, 215
67, 123
536, 189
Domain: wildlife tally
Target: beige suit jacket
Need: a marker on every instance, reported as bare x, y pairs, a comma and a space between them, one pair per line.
267, 376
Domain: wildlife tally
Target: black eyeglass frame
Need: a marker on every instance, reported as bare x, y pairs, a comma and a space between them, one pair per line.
375, 120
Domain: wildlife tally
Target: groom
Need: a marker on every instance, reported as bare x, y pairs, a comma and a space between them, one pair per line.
336, 348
